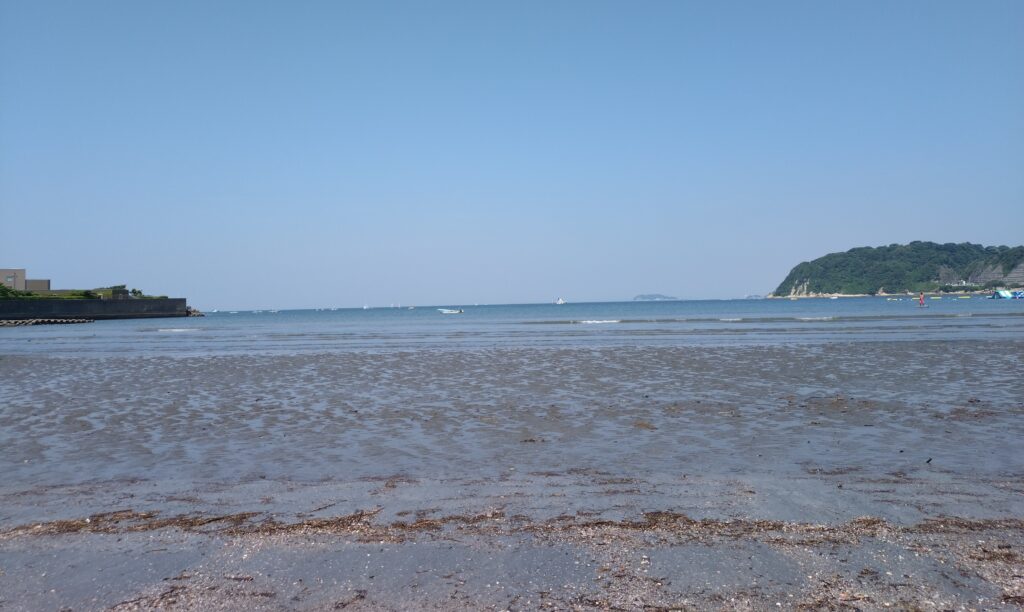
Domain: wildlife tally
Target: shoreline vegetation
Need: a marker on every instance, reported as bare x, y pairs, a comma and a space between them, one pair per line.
99, 293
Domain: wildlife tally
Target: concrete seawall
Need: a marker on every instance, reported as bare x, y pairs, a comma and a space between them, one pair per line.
92, 309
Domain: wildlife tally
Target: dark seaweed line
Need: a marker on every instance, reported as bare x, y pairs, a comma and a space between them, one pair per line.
360, 523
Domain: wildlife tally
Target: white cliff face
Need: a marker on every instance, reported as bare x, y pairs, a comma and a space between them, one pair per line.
801, 290
995, 273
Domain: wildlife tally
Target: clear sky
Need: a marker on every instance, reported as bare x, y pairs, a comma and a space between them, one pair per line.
297, 154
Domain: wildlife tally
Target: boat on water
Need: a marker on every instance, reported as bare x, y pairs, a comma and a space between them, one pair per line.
1004, 294
449, 311
560, 301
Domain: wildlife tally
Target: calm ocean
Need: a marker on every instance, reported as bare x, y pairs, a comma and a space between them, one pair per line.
699, 322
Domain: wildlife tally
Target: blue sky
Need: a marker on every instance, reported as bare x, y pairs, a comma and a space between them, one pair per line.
259, 154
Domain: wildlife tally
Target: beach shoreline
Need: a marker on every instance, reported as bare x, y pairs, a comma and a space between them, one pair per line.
857, 474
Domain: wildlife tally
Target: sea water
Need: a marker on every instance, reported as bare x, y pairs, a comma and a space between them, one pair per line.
697, 322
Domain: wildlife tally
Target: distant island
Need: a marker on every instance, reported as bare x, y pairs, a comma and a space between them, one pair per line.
653, 297
907, 268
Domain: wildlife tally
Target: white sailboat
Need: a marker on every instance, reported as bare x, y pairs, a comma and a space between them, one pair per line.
560, 301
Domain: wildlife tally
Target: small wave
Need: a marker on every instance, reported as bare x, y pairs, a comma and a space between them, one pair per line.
594, 322
815, 318
174, 330
731, 320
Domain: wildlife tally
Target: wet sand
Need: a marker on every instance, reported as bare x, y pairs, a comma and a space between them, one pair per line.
836, 476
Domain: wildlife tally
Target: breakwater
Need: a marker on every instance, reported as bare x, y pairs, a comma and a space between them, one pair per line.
92, 309
23, 322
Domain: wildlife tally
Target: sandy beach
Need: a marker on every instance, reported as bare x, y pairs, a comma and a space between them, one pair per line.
838, 476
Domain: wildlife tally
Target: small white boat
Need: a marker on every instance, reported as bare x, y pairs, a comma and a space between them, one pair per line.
560, 301
449, 311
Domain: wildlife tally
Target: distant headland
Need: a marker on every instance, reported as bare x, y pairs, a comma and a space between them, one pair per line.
653, 297
907, 268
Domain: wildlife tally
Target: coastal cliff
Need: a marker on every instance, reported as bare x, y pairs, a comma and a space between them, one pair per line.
918, 266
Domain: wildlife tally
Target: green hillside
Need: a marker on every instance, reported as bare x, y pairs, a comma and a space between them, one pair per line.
918, 266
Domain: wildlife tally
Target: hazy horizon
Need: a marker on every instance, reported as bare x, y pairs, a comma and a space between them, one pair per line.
270, 156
